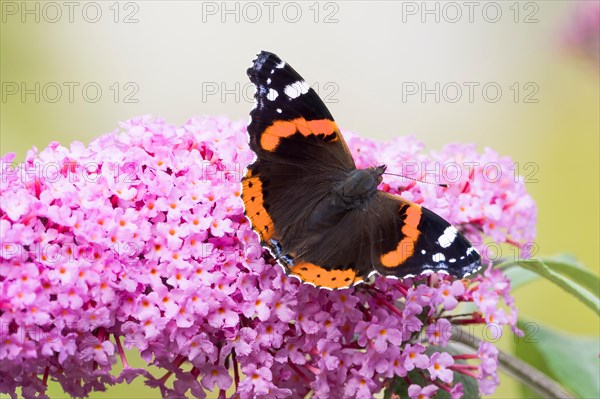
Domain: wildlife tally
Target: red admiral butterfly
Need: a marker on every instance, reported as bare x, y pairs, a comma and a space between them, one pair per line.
322, 218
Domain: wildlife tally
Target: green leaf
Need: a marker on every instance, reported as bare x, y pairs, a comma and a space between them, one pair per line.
520, 277
569, 267
567, 274
571, 360
529, 353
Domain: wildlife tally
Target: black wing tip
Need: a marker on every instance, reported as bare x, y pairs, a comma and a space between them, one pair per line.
469, 269
264, 60
262, 54
457, 271
470, 265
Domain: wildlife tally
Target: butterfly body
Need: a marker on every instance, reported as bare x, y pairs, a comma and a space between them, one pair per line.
323, 219
354, 191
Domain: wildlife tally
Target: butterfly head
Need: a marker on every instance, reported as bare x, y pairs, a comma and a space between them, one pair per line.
359, 186
377, 172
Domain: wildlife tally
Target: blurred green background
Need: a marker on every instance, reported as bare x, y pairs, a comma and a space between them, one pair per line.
185, 58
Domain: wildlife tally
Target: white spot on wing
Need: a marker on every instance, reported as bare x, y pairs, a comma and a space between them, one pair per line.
423, 251
448, 237
296, 89
278, 110
272, 95
452, 260
439, 257
280, 65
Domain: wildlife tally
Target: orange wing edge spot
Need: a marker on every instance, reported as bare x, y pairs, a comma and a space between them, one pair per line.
252, 195
334, 279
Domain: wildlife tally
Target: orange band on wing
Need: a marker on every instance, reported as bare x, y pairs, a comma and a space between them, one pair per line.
406, 246
269, 140
252, 195
321, 277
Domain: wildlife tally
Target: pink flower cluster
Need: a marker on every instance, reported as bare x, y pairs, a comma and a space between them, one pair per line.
139, 241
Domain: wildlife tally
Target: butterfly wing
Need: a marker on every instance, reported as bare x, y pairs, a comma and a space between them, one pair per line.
391, 236
300, 154
422, 241
290, 123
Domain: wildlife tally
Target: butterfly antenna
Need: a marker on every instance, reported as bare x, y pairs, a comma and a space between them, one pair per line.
417, 180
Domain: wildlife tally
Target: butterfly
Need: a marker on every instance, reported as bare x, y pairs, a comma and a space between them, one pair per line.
322, 219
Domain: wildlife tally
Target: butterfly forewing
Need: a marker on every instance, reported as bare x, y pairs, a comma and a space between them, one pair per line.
300, 154
289, 122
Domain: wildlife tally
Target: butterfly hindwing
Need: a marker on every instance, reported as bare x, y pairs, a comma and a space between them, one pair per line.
393, 237
423, 242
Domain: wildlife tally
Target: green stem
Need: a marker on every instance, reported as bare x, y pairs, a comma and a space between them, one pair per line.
518, 369
504, 264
